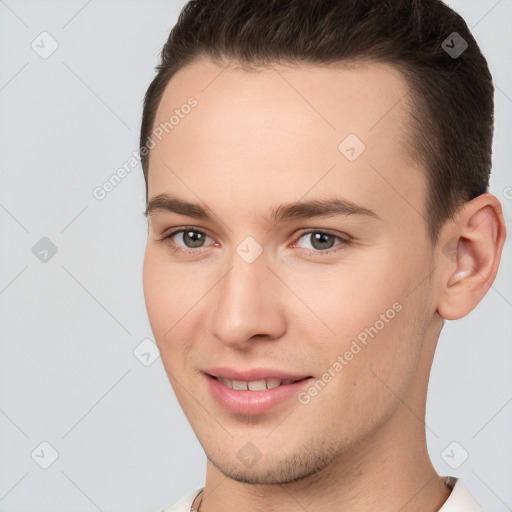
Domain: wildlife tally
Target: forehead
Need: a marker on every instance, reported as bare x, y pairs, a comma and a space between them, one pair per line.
277, 131
340, 97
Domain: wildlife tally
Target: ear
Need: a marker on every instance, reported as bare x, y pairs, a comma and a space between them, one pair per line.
469, 255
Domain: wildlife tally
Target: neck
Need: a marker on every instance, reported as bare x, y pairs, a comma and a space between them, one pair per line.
388, 481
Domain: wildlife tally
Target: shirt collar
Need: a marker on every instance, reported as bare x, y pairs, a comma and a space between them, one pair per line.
460, 500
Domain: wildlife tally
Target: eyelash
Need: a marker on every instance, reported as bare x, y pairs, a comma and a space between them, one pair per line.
345, 241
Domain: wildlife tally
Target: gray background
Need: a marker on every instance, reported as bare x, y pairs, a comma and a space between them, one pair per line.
70, 325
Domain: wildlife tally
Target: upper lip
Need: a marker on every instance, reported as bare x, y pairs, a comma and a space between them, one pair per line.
253, 374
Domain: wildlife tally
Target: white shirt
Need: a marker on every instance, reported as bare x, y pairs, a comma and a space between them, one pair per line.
459, 500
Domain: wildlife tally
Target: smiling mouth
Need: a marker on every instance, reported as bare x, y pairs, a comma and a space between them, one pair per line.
256, 385
267, 390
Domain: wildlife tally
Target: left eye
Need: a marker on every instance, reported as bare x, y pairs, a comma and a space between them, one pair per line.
322, 241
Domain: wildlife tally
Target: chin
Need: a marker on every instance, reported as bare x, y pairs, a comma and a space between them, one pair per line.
283, 470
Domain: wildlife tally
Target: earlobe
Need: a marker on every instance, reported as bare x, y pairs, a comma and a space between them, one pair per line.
470, 259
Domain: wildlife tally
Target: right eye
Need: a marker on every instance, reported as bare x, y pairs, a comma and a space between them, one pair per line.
191, 238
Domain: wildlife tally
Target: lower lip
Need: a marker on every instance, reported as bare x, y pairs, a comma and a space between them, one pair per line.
253, 402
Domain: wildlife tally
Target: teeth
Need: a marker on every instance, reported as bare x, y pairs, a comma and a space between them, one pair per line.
226, 382
273, 383
239, 384
255, 385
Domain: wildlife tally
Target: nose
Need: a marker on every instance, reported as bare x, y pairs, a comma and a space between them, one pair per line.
248, 305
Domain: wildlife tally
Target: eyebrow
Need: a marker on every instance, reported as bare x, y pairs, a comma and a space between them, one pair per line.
290, 211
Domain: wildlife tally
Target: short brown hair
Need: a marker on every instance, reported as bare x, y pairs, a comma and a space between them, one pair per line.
453, 114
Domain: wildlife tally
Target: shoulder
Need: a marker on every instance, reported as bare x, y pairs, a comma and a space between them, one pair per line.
184, 504
460, 499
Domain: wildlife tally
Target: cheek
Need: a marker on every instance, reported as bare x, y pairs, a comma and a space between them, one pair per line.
156, 280
167, 300
170, 291
173, 295
343, 300
366, 371
371, 324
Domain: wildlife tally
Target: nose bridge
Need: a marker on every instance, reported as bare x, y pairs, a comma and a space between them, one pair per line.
247, 300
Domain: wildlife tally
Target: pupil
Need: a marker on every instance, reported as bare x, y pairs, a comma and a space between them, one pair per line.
193, 238
319, 241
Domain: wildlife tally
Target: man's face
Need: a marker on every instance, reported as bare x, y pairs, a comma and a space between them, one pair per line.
345, 295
